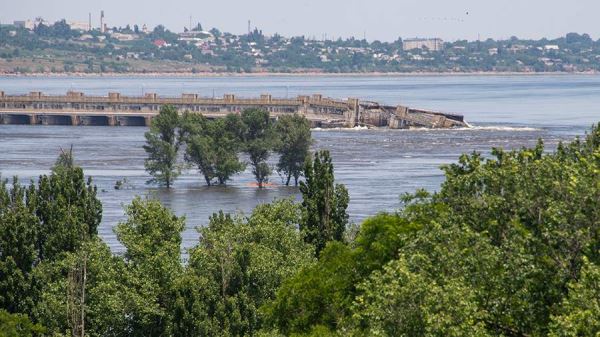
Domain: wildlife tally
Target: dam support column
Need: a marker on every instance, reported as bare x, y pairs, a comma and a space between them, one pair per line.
112, 120
33, 120
354, 106
148, 121
75, 120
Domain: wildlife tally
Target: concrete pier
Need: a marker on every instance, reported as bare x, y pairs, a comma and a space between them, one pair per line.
75, 108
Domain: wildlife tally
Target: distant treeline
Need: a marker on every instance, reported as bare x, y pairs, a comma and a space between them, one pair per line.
213, 146
508, 246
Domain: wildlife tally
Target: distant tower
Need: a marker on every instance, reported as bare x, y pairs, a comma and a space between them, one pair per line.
101, 21
89, 21
249, 29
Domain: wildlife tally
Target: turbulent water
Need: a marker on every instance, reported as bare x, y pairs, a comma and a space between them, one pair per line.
376, 165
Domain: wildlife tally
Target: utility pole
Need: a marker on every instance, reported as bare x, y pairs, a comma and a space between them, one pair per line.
90, 21
249, 28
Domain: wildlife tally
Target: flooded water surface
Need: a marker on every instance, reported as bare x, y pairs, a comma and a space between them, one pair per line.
377, 166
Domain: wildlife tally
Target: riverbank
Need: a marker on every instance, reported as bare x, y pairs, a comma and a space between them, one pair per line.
294, 74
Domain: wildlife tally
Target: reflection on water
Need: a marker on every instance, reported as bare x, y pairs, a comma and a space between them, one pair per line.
376, 165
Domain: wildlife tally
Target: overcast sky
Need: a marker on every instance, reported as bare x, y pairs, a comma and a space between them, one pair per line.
384, 20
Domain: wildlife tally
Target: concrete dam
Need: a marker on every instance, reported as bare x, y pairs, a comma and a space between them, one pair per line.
115, 109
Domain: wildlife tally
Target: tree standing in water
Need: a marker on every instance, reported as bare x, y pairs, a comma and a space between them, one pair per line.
293, 145
257, 137
162, 146
211, 146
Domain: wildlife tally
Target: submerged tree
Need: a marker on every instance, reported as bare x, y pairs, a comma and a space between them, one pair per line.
257, 137
162, 145
212, 147
293, 145
325, 203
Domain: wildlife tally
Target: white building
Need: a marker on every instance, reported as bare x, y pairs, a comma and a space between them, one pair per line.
194, 36
435, 44
79, 25
123, 37
30, 24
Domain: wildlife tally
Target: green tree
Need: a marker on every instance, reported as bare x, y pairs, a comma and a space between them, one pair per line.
237, 267
579, 312
212, 147
162, 145
258, 139
18, 325
318, 295
294, 140
18, 253
66, 207
541, 211
152, 236
399, 302
324, 204
321, 295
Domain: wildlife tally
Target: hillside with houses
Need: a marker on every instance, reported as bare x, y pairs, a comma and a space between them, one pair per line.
38, 46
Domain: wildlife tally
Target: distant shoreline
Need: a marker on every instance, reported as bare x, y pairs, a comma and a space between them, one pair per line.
295, 74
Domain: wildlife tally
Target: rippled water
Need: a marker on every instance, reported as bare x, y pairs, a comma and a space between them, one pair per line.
376, 165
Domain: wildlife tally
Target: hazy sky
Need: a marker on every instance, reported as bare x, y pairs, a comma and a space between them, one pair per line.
377, 19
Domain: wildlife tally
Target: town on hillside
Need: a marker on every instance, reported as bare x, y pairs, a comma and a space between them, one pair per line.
39, 46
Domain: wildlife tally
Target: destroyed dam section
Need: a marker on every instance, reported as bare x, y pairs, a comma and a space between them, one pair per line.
75, 108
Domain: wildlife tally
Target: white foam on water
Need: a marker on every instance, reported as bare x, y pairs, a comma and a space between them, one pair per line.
471, 127
499, 128
356, 128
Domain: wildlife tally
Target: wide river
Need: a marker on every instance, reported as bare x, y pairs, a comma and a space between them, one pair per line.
377, 166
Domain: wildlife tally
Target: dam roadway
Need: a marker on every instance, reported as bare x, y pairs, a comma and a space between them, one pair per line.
75, 108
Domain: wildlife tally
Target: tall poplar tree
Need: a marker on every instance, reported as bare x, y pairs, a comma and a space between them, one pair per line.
293, 145
162, 145
324, 215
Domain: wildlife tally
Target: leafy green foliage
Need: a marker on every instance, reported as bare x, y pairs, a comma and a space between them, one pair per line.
162, 146
18, 253
318, 295
67, 208
258, 138
237, 267
152, 236
212, 146
39, 227
18, 325
579, 312
293, 145
322, 294
499, 250
324, 217
398, 302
